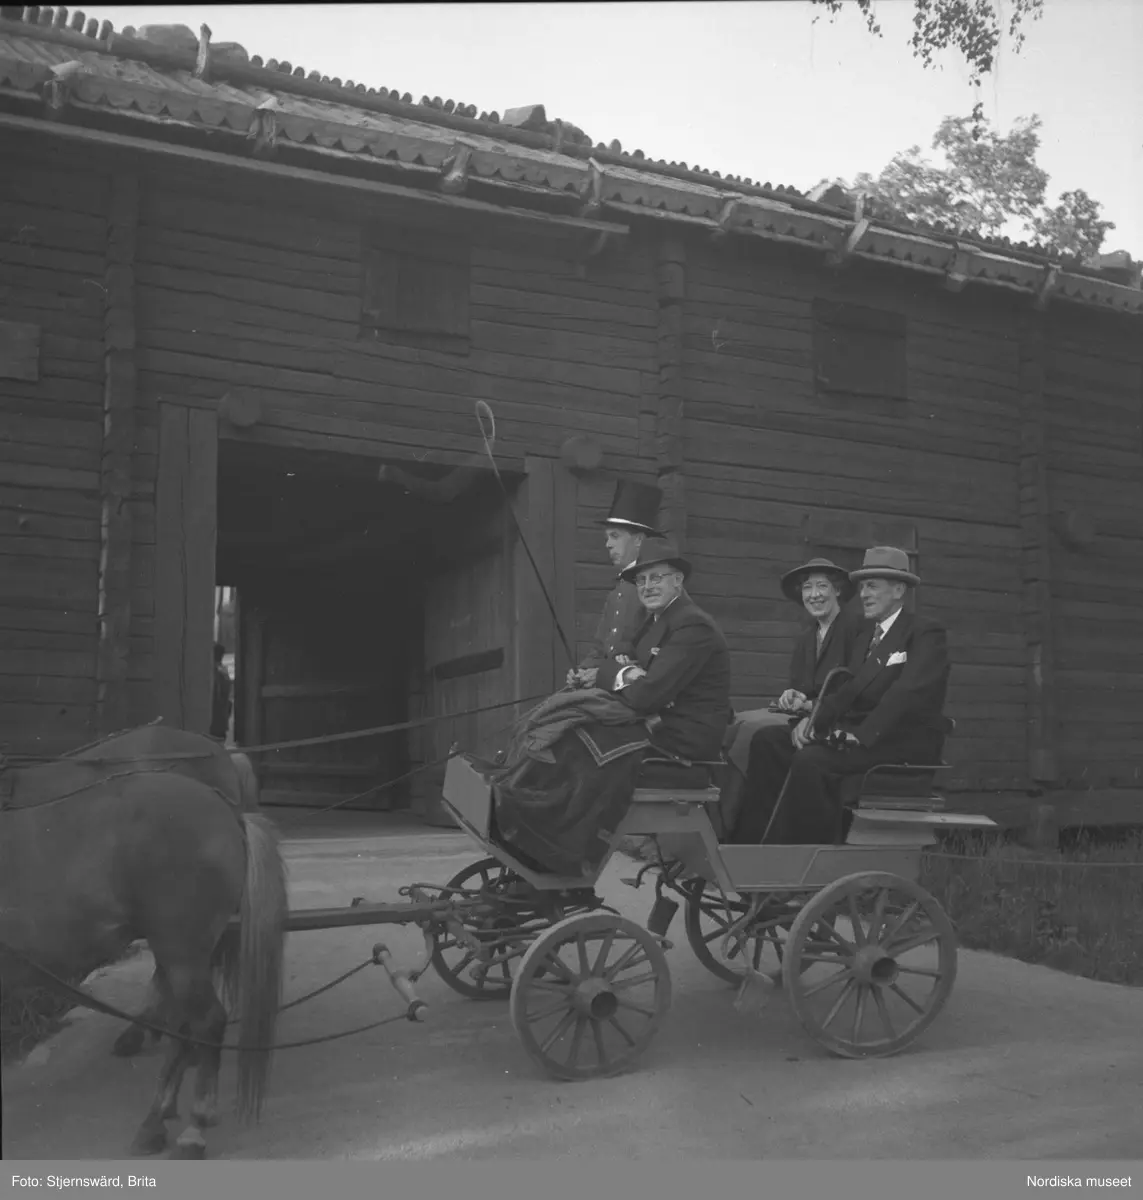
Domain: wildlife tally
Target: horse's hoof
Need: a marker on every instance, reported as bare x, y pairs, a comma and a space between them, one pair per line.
128, 1043
189, 1150
148, 1142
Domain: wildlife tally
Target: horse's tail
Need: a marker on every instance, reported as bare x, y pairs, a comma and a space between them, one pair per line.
247, 781
251, 964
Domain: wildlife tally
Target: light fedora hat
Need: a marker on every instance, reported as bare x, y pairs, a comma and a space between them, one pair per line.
792, 580
885, 562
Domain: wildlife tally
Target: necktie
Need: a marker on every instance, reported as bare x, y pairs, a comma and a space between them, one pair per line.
878, 634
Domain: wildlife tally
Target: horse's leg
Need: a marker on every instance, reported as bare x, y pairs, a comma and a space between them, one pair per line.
130, 1041
151, 1137
207, 1023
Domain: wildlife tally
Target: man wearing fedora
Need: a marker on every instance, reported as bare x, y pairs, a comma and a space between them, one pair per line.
634, 512
890, 711
681, 667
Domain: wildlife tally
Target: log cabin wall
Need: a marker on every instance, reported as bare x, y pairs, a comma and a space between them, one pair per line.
781, 466
1003, 450
1093, 453
55, 211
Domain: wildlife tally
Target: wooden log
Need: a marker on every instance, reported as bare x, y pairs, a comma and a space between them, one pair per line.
19, 351
241, 408
185, 532
116, 475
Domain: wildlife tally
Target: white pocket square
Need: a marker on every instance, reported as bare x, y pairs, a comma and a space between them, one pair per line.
896, 659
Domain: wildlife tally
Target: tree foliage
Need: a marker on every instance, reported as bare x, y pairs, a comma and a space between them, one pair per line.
972, 28
987, 181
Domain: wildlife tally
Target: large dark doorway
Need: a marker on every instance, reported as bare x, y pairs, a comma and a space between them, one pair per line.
360, 604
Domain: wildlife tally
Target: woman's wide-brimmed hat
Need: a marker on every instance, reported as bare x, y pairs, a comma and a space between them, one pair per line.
654, 551
792, 580
886, 562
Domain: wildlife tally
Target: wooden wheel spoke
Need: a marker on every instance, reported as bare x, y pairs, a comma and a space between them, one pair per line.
581, 949
836, 937
920, 938
464, 962
930, 972
900, 991
622, 985
901, 922
612, 1020
878, 918
839, 959
600, 1049
859, 1012
553, 964
883, 1011
855, 922
546, 985
821, 986
837, 1004
649, 1013
604, 951
550, 1011
558, 1032
629, 958
577, 1039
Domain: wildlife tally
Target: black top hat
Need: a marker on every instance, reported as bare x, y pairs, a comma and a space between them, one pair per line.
792, 580
656, 550
635, 506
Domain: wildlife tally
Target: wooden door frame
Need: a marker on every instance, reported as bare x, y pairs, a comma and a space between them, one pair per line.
186, 525
546, 507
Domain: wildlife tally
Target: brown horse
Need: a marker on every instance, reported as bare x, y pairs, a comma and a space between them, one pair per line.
158, 746
91, 862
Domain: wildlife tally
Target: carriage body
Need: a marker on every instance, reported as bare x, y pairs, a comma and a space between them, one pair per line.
857, 907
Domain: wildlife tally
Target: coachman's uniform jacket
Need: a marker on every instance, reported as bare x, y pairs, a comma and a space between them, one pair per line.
687, 683
897, 696
623, 616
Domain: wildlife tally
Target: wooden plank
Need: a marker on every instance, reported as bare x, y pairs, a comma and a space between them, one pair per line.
19, 350
469, 664
669, 414
536, 639
185, 534
116, 474
312, 691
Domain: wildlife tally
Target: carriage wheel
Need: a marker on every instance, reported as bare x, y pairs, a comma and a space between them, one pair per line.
454, 961
458, 965
870, 961
707, 918
589, 995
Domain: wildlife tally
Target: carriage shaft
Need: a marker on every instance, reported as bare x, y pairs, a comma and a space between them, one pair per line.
302, 919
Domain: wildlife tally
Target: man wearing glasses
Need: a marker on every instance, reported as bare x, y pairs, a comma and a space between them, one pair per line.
681, 671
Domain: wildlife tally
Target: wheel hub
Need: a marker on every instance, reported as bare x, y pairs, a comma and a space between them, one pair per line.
594, 998
873, 967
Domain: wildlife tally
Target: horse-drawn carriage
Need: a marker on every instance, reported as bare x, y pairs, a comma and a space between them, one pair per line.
867, 958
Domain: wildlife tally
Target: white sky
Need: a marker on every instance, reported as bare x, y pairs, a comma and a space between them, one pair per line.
756, 89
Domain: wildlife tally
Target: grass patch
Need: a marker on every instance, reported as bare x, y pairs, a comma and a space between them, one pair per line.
28, 1018
1079, 910
32, 1015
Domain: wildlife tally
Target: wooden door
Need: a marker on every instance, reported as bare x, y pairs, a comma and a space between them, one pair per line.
322, 661
469, 650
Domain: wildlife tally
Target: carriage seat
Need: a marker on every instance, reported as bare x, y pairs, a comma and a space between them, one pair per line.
897, 785
659, 774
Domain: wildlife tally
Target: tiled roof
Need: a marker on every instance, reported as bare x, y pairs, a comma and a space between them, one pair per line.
166, 74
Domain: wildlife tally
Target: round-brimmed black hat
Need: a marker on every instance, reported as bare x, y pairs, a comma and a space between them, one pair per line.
792, 580
656, 550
